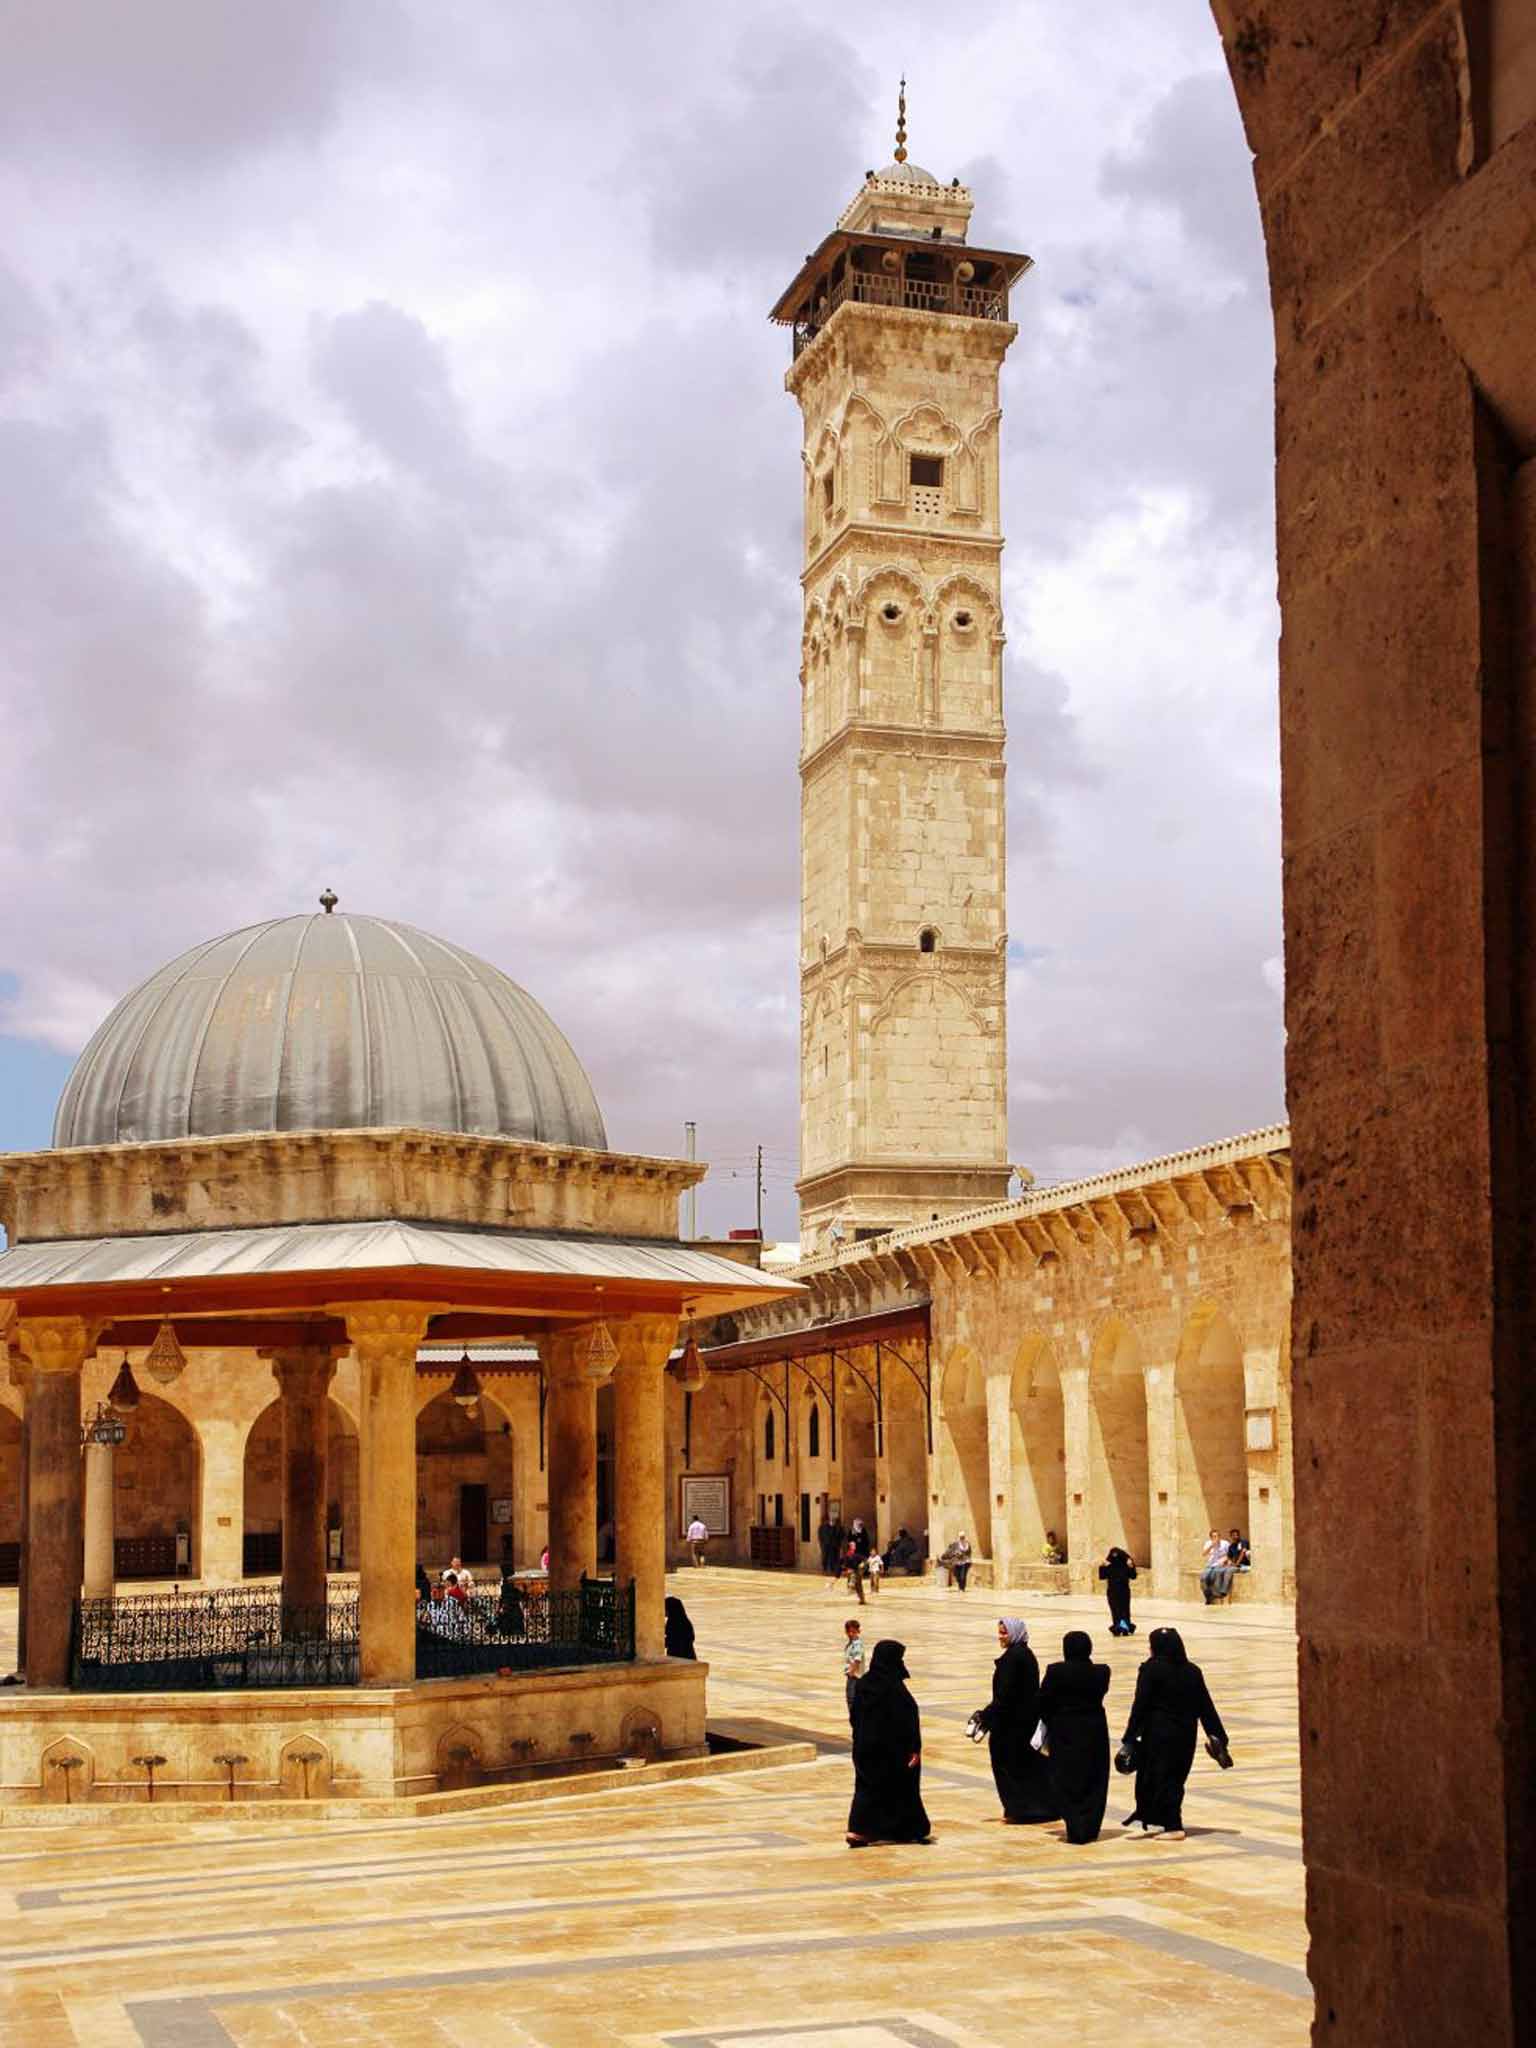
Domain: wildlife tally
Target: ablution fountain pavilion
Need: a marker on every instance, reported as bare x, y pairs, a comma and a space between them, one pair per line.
333, 1139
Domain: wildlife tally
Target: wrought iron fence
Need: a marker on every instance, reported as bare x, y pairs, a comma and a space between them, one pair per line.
234, 1637
525, 1631
225, 1638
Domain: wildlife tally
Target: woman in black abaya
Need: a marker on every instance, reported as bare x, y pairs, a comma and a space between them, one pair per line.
1171, 1704
1077, 1735
1117, 1572
887, 1755
678, 1638
1018, 1769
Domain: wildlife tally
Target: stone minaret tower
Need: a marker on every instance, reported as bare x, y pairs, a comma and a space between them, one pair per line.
900, 328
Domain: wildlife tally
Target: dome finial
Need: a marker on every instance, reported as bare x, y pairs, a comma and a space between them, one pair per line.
328, 900
901, 123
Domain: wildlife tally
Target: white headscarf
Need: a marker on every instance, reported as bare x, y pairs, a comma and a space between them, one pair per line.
1017, 1631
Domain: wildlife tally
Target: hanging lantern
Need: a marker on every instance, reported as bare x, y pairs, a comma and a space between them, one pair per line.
123, 1395
602, 1352
690, 1368
466, 1387
165, 1360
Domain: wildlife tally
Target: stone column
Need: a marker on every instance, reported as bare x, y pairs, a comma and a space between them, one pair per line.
221, 1532
1000, 1475
100, 1574
21, 1378
56, 1348
1077, 1429
570, 1426
304, 1377
640, 1472
1164, 1504
385, 1337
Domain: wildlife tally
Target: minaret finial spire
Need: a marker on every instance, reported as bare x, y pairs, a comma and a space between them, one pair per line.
901, 123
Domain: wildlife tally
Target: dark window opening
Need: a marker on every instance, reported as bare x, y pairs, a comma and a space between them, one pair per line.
927, 940
768, 1435
865, 1232
826, 490
891, 612
926, 469
813, 1437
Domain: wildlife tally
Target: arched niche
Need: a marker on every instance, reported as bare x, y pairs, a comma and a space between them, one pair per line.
1038, 1453
963, 1448
1212, 1459
262, 1492
1119, 1508
157, 1486
465, 1464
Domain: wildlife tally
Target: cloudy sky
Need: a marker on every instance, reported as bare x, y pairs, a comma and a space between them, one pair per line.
400, 494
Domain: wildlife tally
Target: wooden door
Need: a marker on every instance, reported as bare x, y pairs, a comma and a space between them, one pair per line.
473, 1524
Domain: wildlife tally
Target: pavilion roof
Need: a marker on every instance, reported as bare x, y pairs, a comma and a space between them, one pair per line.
309, 1253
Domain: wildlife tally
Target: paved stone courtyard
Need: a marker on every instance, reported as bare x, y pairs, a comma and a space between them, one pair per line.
719, 1910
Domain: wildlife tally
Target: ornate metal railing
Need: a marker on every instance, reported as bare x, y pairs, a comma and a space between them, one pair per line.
916, 294
525, 1631
234, 1637
219, 1640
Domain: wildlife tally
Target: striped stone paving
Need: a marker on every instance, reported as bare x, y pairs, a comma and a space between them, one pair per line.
719, 1910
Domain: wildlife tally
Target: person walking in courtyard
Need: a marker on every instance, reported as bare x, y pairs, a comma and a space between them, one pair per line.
853, 1569
1117, 1572
874, 1570
887, 1755
1077, 1735
1018, 1769
853, 1661
824, 1546
1172, 1703
677, 1636
698, 1536
958, 1560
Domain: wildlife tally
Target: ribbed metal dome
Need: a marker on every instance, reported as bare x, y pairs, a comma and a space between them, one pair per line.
327, 1023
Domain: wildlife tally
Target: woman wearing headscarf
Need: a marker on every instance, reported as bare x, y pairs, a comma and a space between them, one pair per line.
887, 1755
1077, 1736
1171, 1703
677, 1639
1018, 1769
1117, 1572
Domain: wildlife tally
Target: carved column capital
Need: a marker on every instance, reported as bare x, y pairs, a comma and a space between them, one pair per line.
59, 1344
301, 1368
645, 1343
386, 1332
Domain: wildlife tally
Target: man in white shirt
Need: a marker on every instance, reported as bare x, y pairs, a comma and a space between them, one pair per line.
1214, 1556
462, 1573
698, 1536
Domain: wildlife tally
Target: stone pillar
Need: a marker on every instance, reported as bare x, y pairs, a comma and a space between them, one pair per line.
21, 1379
100, 1574
1000, 1475
56, 1348
570, 1428
640, 1472
1266, 1475
304, 1378
385, 1337
1077, 1429
221, 1534
1163, 1480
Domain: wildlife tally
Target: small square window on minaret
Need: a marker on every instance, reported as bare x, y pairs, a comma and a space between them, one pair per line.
925, 473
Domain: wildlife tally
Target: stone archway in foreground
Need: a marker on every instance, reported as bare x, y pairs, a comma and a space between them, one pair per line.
1395, 145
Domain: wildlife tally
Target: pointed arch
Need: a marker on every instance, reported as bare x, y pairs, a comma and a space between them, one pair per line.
1119, 1501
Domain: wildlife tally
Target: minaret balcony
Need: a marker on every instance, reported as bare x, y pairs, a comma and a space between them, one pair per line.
966, 301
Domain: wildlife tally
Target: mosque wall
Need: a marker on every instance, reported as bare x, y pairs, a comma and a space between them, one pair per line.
1107, 1364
